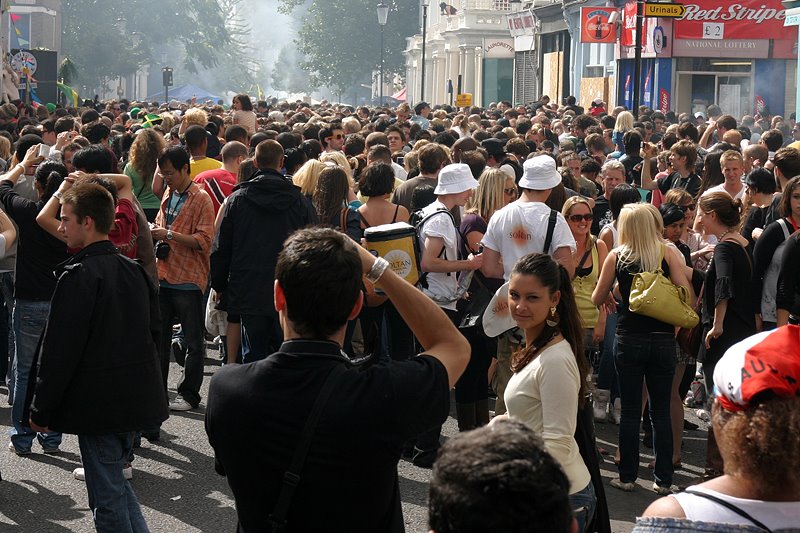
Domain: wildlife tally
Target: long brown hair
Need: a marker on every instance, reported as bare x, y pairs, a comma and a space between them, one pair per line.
555, 278
330, 195
144, 153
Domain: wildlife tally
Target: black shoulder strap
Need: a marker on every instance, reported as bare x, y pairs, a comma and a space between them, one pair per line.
551, 226
730, 507
291, 478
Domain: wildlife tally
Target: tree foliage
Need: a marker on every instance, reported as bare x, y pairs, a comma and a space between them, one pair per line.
107, 39
286, 74
341, 39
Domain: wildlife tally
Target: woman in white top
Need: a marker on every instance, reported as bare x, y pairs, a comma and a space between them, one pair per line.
549, 381
243, 113
756, 418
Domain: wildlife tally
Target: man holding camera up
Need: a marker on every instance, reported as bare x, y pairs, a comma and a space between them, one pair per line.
183, 230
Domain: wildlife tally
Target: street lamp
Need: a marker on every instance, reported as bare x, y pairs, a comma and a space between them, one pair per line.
166, 75
425, 4
383, 14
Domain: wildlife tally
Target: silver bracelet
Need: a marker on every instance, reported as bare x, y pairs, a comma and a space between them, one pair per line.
377, 270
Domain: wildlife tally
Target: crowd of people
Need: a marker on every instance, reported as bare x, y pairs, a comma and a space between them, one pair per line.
132, 233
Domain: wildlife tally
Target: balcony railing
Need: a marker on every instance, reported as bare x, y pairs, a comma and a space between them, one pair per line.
491, 5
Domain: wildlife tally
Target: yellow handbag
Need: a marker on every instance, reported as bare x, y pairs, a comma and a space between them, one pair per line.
654, 295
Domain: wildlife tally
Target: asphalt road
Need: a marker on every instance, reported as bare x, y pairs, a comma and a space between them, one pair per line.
179, 491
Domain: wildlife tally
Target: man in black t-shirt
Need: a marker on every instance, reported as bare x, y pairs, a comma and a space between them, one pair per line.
256, 412
787, 166
612, 174
632, 141
683, 156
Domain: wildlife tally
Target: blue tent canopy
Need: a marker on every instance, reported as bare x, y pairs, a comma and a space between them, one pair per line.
184, 93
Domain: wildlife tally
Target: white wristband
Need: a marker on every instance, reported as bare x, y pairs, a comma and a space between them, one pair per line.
377, 270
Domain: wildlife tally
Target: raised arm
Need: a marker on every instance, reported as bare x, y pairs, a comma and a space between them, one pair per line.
434, 330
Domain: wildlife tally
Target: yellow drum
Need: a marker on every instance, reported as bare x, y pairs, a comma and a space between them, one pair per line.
397, 243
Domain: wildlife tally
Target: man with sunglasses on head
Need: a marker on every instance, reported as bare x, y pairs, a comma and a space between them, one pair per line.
683, 156
332, 138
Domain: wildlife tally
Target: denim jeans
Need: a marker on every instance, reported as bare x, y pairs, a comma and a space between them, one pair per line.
114, 506
187, 306
6, 332
648, 357
606, 373
261, 336
583, 504
29, 318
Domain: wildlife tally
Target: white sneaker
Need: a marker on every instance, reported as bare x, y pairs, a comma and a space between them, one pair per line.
616, 411
80, 473
703, 415
600, 404
127, 471
665, 491
179, 404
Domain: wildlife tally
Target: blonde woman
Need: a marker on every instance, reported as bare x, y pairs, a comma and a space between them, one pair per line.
591, 254
644, 348
624, 123
306, 178
5, 151
340, 160
495, 190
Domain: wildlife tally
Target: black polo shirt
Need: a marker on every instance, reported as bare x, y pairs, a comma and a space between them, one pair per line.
256, 412
674, 180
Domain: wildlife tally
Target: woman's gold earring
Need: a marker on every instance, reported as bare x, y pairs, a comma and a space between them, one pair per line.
553, 320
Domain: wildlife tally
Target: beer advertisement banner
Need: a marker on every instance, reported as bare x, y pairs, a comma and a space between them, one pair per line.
595, 26
737, 19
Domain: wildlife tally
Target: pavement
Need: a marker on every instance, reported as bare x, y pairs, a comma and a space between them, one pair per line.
179, 491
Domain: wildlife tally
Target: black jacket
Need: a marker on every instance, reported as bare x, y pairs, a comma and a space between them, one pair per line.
258, 217
96, 370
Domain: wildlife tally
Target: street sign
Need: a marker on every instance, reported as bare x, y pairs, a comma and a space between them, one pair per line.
464, 100
792, 17
671, 11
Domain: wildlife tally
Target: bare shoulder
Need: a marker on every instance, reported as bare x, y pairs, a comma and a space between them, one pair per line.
666, 507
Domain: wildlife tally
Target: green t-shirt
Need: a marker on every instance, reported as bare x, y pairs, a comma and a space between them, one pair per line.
143, 191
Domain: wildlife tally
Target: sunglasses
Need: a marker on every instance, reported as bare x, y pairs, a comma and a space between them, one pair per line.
510, 192
340, 136
685, 208
577, 218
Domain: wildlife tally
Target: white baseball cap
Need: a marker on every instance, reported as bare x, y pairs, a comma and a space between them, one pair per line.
454, 179
539, 174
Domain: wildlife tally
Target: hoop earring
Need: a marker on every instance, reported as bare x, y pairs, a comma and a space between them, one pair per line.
553, 319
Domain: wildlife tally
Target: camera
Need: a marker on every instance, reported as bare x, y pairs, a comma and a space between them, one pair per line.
162, 250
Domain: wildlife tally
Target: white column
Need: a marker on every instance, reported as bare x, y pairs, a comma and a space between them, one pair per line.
478, 95
469, 70
435, 98
455, 68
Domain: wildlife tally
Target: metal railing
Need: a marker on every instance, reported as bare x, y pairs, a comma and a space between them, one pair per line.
491, 5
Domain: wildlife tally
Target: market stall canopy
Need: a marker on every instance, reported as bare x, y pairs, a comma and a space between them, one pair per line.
184, 93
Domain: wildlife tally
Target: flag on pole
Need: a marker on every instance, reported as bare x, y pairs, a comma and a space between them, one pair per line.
69, 92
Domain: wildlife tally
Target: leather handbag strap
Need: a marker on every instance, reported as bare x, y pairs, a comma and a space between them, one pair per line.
730, 507
291, 478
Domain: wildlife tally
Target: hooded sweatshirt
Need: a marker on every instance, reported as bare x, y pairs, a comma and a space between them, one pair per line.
258, 217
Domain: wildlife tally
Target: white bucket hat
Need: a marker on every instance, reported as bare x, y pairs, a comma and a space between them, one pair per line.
497, 316
540, 174
454, 179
